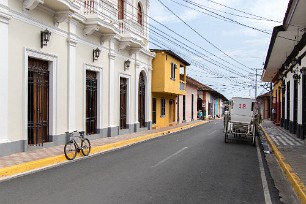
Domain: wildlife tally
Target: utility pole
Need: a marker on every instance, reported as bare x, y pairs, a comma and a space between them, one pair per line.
256, 81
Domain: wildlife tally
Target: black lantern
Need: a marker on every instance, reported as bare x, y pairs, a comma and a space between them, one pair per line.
44, 37
96, 54
127, 64
296, 76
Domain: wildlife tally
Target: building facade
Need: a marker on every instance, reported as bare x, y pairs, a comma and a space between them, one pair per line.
264, 105
166, 87
285, 67
212, 102
187, 104
72, 65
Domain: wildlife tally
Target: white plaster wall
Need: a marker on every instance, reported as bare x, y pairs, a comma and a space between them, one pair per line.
24, 33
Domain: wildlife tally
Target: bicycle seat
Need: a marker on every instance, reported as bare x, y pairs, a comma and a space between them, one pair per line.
82, 132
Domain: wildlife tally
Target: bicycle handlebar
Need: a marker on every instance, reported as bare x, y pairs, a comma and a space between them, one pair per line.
80, 132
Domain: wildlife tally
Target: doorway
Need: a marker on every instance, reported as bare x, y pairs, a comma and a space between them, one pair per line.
38, 101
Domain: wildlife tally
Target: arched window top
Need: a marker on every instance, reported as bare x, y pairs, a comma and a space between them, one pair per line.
139, 14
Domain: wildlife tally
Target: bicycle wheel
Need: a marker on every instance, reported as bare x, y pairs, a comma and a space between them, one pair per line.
85, 147
70, 150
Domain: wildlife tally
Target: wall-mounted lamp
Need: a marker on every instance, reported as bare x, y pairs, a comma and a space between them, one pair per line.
296, 77
127, 64
44, 37
95, 54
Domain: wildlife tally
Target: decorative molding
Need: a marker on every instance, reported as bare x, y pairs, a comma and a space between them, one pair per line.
60, 17
112, 55
31, 4
134, 50
52, 89
106, 37
137, 65
90, 29
4, 16
92, 67
124, 45
72, 41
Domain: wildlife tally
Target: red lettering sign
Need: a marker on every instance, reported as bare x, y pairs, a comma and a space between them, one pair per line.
242, 105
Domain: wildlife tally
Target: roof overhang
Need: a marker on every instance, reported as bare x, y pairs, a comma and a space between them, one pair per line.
284, 39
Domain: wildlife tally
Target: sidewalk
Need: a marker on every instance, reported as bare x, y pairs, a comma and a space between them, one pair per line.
290, 152
22, 162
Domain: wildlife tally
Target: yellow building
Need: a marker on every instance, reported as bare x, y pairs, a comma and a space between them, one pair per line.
167, 86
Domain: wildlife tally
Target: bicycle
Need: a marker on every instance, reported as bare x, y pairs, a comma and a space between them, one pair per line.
72, 148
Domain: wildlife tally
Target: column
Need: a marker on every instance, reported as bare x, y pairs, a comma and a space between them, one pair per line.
4, 67
149, 98
72, 41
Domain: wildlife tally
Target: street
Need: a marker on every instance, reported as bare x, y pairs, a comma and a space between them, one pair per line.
191, 166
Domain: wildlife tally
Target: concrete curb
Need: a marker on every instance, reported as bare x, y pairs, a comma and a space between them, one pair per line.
47, 162
295, 181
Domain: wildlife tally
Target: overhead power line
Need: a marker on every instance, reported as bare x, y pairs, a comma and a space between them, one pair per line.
202, 35
267, 19
189, 57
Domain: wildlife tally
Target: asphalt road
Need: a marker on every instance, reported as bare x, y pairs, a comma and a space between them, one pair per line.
191, 166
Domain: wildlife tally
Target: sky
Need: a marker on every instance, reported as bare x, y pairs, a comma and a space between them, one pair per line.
219, 38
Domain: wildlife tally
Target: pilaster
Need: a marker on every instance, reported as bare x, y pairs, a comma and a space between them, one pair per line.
111, 97
4, 73
137, 73
71, 42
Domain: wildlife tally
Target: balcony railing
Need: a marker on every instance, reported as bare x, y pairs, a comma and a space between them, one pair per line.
182, 86
103, 8
128, 26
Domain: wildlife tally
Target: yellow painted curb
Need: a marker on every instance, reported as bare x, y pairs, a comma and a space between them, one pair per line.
41, 163
294, 179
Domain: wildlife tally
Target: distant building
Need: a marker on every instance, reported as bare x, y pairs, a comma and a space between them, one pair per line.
264, 105
167, 86
187, 104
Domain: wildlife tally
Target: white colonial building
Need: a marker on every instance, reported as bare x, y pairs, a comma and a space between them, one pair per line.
285, 67
72, 65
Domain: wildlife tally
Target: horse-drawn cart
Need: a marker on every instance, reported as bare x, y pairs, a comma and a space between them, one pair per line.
240, 119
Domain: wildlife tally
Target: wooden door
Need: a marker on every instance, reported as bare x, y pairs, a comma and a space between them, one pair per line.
288, 105
91, 102
123, 106
38, 102
141, 101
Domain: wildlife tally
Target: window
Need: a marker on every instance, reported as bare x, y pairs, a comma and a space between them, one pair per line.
184, 108
154, 110
173, 67
162, 107
139, 14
